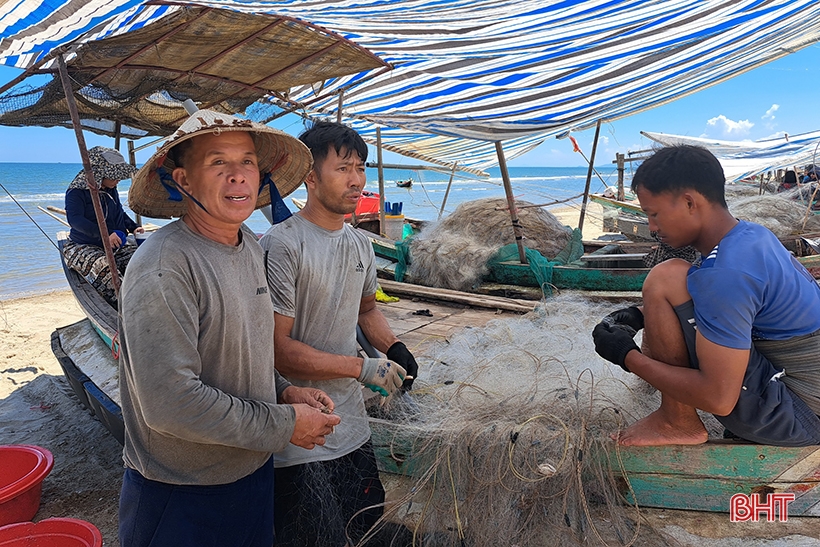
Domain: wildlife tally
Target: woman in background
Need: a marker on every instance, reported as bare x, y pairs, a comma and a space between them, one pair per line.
84, 251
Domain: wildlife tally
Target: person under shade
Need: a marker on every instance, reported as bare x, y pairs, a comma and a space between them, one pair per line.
736, 334
84, 252
203, 405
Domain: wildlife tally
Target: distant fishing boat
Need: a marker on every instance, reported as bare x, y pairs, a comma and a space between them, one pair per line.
404, 183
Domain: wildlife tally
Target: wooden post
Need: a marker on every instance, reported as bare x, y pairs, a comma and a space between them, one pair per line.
505, 177
589, 178
117, 135
447, 192
381, 178
89, 174
339, 108
619, 158
132, 159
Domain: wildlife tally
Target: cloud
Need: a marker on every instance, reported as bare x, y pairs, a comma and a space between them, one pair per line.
730, 127
769, 115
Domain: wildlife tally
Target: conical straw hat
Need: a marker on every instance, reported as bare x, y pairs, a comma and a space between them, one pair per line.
284, 156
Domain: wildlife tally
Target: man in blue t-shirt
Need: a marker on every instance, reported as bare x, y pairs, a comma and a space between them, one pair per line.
737, 335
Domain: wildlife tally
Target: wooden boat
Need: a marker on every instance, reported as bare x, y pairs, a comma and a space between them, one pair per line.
701, 478
404, 183
607, 269
695, 478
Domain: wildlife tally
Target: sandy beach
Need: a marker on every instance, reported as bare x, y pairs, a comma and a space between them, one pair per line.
38, 407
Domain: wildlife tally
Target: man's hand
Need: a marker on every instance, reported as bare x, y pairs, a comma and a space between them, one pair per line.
311, 426
307, 395
631, 316
614, 342
399, 353
382, 375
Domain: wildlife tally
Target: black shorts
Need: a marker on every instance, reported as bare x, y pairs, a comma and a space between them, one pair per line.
767, 412
320, 504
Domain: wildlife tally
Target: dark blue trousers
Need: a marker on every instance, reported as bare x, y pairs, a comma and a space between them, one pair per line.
156, 514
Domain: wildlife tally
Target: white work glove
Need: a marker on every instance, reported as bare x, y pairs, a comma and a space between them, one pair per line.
382, 375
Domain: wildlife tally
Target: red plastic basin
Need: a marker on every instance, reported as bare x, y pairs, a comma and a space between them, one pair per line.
57, 532
22, 470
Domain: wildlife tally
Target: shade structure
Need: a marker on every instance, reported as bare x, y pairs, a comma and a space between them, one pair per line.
135, 82
744, 159
472, 72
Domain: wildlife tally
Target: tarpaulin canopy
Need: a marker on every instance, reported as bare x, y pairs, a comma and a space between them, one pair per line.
133, 84
744, 159
470, 72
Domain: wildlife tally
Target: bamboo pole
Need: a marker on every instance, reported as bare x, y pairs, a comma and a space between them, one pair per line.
505, 177
381, 178
447, 192
89, 174
589, 178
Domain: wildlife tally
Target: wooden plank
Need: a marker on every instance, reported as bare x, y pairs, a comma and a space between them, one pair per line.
492, 302
705, 477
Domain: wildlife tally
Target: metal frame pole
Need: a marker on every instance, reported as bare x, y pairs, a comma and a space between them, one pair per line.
505, 177
89, 174
381, 178
589, 178
447, 192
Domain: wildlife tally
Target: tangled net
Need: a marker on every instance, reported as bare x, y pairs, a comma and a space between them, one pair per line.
454, 252
511, 436
784, 214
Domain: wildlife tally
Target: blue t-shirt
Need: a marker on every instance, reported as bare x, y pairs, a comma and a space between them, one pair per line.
750, 286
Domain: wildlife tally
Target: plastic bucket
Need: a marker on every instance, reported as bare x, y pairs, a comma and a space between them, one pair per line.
56, 532
140, 237
22, 470
394, 226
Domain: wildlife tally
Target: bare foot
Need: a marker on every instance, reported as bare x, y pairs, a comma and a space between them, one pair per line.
657, 430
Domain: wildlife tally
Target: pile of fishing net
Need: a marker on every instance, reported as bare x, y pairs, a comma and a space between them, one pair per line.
511, 435
784, 214
453, 253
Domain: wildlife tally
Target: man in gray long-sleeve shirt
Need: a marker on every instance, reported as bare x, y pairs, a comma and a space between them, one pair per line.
197, 380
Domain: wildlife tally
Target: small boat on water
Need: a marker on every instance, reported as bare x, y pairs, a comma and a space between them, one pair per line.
404, 183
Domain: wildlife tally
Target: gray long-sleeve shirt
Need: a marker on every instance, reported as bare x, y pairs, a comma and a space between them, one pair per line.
197, 380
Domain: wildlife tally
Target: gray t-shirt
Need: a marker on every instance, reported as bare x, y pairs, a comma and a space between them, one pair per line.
319, 278
197, 380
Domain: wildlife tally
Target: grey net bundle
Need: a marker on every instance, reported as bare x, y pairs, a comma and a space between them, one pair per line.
511, 435
454, 252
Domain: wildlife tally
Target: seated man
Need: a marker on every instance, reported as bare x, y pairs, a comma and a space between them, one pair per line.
735, 335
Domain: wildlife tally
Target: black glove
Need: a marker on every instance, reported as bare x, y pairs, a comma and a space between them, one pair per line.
399, 353
613, 342
631, 316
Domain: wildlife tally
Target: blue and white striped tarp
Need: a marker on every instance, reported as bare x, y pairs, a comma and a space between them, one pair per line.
516, 71
744, 159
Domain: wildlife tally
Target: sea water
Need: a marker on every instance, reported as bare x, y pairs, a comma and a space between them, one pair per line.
30, 263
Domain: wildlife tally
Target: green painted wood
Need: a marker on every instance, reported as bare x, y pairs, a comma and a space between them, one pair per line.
563, 277
705, 477
700, 478
714, 459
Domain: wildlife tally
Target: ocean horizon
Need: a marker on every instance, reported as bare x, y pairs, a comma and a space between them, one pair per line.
30, 263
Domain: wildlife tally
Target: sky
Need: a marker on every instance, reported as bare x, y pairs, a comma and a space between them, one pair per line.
782, 96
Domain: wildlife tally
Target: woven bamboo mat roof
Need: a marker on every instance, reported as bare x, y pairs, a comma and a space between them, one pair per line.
224, 60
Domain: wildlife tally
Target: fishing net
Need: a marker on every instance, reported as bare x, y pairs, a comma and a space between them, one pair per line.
510, 435
454, 253
784, 214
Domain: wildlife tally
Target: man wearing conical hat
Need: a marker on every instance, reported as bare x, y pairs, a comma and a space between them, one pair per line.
322, 277
201, 399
